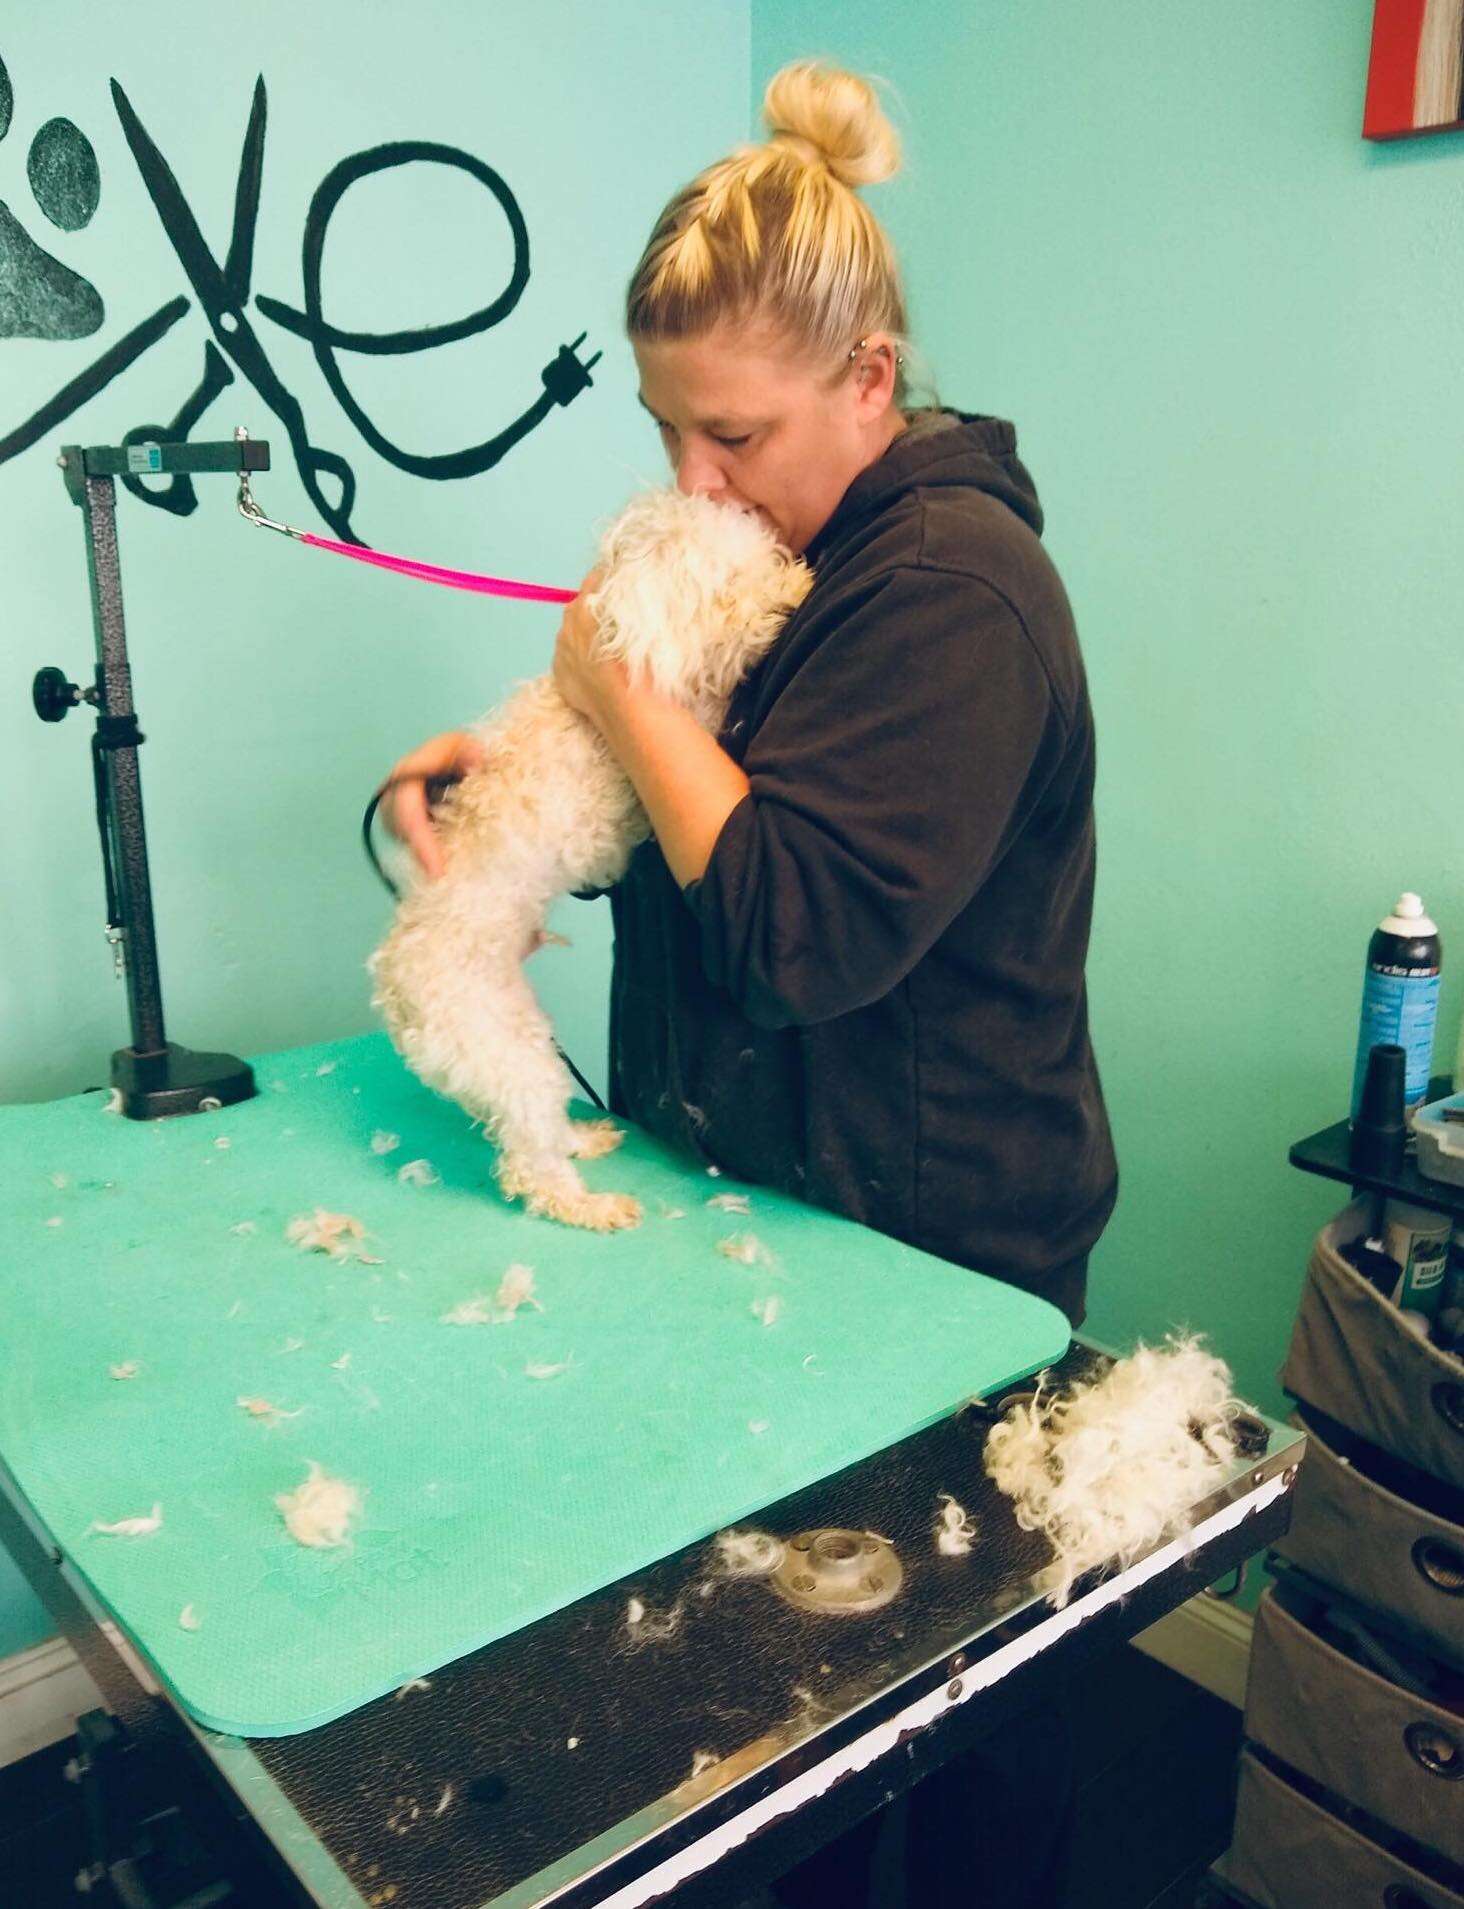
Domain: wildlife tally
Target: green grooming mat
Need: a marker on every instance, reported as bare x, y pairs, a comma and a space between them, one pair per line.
489, 1497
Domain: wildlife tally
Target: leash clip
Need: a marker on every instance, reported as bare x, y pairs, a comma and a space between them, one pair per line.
248, 508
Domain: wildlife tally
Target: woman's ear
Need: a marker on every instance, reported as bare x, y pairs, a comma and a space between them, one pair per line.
875, 368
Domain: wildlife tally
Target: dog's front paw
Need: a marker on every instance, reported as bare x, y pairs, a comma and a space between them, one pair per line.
595, 1212
610, 1212
590, 1139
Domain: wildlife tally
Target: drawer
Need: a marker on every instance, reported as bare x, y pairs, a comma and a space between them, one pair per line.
1401, 1554
1290, 1853
1352, 1358
1394, 1755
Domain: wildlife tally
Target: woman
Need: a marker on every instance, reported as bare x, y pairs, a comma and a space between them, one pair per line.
849, 961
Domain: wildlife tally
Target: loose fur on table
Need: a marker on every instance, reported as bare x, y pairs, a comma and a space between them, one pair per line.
319, 1512
691, 593
1109, 1468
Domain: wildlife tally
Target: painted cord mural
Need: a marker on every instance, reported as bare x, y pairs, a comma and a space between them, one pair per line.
42, 298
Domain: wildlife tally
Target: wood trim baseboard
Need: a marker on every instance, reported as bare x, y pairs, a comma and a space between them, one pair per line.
1207, 1640
43, 1691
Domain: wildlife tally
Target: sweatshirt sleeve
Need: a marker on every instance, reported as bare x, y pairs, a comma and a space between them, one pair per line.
887, 780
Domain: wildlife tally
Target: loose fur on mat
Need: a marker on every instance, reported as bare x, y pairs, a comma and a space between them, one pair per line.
319, 1512
690, 594
1108, 1469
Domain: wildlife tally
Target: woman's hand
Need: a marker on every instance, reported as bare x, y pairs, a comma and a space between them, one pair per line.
404, 808
592, 685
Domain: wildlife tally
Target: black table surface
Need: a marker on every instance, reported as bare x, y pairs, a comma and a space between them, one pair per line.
567, 1744
579, 1758
1328, 1152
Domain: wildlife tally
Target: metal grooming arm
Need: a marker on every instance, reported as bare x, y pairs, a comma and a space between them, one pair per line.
154, 1076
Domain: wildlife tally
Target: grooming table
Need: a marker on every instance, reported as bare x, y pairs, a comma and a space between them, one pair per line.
553, 1750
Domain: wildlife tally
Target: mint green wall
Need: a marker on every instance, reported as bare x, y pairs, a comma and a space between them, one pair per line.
276, 686
1228, 332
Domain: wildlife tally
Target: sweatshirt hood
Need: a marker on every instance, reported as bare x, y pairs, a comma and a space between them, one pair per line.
937, 450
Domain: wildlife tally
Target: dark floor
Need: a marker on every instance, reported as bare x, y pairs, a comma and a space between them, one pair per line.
1156, 1770
1155, 1759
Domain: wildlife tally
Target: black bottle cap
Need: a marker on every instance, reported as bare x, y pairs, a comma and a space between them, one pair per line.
1378, 1132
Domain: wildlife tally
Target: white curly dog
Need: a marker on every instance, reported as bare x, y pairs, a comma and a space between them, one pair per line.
690, 594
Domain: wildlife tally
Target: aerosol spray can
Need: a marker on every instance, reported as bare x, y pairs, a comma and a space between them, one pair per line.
1400, 997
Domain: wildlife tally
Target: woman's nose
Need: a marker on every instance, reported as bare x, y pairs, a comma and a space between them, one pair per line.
697, 473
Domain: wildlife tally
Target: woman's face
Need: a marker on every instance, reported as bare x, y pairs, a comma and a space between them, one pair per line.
746, 420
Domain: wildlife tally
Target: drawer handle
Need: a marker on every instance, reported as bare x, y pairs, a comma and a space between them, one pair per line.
1442, 1565
1434, 1750
1448, 1401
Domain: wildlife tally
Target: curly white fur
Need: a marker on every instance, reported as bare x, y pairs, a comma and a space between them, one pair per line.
319, 1512
1108, 1469
691, 594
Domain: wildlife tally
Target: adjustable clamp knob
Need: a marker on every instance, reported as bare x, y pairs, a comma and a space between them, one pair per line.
53, 694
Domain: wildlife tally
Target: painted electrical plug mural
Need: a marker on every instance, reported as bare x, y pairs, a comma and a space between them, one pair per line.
40, 297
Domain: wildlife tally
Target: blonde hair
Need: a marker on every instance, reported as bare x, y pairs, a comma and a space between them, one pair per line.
776, 233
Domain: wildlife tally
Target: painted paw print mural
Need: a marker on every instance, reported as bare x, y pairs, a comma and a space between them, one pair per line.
39, 296
42, 298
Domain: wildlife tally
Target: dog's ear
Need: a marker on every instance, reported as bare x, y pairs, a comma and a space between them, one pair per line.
747, 616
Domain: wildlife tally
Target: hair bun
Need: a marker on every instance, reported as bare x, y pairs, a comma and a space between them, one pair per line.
835, 118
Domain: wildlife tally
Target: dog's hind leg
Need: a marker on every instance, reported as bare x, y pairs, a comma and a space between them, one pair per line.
462, 1014
592, 1139
535, 1136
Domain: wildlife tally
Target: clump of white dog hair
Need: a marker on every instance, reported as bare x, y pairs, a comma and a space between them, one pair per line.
767, 1310
142, 1526
418, 1173
1111, 1467
748, 1554
515, 1289
318, 1513
954, 1530
336, 1234
651, 1627
266, 1410
746, 1248
477, 1311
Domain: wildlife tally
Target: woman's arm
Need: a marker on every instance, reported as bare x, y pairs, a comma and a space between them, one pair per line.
879, 792
686, 781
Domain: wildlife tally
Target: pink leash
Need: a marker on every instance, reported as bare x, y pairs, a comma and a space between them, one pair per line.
432, 572
404, 566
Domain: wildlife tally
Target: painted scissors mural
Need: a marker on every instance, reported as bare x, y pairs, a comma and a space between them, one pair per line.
41, 298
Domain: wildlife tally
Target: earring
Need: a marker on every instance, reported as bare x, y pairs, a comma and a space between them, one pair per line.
854, 351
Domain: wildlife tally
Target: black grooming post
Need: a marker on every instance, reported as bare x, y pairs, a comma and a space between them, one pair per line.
154, 1077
